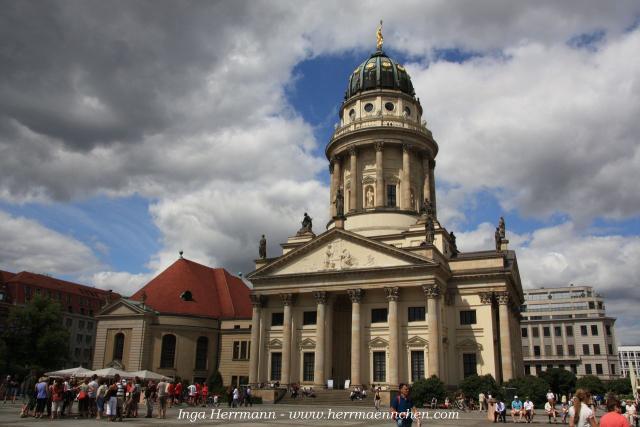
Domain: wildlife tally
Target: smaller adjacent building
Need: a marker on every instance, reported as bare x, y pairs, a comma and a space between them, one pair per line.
189, 321
567, 327
79, 302
629, 357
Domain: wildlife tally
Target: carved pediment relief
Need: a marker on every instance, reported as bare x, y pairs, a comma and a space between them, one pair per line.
378, 342
307, 344
275, 344
469, 345
417, 342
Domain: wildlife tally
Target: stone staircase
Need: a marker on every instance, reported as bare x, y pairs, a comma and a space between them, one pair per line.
328, 398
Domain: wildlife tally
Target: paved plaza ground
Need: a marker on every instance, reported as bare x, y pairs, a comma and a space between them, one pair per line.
280, 415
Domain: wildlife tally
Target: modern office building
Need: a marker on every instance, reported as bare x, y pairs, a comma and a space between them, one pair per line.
567, 327
629, 356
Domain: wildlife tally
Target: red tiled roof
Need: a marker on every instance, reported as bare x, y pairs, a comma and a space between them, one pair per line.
216, 293
5, 276
48, 282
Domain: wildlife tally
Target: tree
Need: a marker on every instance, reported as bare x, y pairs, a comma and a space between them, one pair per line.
215, 382
591, 383
621, 386
560, 380
35, 337
425, 389
473, 385
535, 388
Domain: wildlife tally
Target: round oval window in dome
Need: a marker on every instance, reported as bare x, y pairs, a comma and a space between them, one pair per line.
386, 64
389, 106
407, 111
368, 107
370, 65
400, 67
352, 114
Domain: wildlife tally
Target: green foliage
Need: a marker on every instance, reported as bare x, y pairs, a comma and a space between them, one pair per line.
215, 383
35, 336
425, 389
560, 381
473, 385
621, 386
535, 388
592, 384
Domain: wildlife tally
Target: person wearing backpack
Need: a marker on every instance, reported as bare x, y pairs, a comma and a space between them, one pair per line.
402, 408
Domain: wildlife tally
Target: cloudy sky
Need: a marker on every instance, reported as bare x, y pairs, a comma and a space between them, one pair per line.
130, 130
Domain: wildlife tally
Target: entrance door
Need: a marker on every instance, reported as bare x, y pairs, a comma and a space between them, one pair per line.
341, 341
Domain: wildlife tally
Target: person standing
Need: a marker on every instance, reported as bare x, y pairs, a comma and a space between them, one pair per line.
92, 392
162, 399
481, 402
631, 412
111, 401
377, 399
41, 397
613, 417
101, 394
150, 394
236, 397
247, 397
57, 395
402, 408
580, 415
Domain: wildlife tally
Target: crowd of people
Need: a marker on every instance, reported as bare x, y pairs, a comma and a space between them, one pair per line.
111, 398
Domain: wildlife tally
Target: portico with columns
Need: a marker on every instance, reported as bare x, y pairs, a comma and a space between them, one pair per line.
374, 299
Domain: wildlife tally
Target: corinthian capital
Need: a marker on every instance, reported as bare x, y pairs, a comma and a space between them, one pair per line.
486, 297
287, 299
256, 300
352, 150
321, 297
502, 297
431, 290
392, 293
355, 295
379, 145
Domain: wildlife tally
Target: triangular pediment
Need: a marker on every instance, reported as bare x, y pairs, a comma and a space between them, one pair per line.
307, 344
338, 251
275, 344
417, 342
378, 342
468, 344
124, 307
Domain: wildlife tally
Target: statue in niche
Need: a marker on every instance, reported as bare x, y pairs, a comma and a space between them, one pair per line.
369, 197
307, 225
430, 230
427, 208
339, 202
262, 248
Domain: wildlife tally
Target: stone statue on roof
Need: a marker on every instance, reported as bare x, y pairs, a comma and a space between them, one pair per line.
307, 225
262, 249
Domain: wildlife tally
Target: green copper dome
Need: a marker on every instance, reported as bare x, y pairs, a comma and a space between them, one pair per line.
379, 72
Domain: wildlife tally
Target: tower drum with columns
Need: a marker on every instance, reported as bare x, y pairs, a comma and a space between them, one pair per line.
383, 295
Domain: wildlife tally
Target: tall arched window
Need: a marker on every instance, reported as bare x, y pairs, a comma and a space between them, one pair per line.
168, 352
118, 346
202, 347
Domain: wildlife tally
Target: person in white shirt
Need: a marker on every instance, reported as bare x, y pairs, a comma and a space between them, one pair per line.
193, 392
580, 415
528, 410
236, 397
551, 398
551, 411
630, 412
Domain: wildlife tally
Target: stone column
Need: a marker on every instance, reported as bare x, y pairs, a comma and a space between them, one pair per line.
256, 302
318, 370
332, 187
287, 300
432, 293
426, 183
505, 335
394, 332
405, 184
432, 186
328, 366
355, 187
379, 174
356, 298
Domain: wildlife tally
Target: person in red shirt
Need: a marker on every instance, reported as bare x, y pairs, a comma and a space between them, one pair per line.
178, 392
57, 392
204, 394
170, 391
198, 394
613, 418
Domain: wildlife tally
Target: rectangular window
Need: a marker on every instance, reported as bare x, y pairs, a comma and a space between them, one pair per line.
592, 305
416, 314
547, 350
391, 196
236, 350
569, 330
379, 366
585, 349
535, 332
308, 366
559, 350
527, 369
546, 331
469, 364
244, 350
583, 330
89, 325
557, 331
468, 317
607, 329
87, 339
571, 350
587, 369
525, 332
574, 368
598, 368
77, 352
309, 317
79, 338
27, 293
594, 330
69, 322
276, 366
277, 319
613, 369
86, 353
417, 365
536, 350
378, 315
610, 348
596, 349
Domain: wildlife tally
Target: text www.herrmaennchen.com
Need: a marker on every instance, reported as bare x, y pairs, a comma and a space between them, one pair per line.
329, 414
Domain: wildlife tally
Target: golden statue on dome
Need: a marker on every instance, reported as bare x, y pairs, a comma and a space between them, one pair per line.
379, 38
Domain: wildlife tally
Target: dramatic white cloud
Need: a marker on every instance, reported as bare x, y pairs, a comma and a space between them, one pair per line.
27, 245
